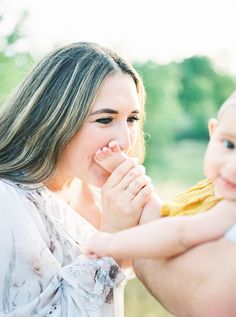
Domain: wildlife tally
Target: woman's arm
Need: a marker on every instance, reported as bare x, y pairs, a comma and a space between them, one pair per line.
200, 282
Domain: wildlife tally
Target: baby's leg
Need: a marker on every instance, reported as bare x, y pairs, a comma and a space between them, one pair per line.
110, 156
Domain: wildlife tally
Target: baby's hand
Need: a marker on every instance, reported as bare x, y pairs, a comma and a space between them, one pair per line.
98, 245
110, 156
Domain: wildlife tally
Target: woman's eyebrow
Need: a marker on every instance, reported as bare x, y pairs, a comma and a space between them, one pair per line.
108, 110
105, 110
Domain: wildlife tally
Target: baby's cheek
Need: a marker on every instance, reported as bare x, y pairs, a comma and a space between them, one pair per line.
212, 168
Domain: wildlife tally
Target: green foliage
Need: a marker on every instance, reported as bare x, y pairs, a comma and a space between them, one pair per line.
12, 70
14, 35
180, 161
13, 65
17, 33
202, 92
181, 97
163, 111
162, 87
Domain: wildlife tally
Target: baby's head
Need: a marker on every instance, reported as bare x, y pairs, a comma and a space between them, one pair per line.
220, 157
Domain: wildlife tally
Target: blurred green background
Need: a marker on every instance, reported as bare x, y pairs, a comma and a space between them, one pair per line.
181, 97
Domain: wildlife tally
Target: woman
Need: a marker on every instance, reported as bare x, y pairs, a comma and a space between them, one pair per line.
75, 101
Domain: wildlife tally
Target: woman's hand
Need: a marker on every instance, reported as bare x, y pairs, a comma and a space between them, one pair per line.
124, 196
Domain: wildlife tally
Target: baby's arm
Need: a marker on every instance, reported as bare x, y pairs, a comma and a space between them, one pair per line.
109, 158
165, 237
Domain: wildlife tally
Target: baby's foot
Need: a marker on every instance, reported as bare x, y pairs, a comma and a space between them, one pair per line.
110, 156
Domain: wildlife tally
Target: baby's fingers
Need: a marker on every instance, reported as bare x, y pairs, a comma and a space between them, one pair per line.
91, 254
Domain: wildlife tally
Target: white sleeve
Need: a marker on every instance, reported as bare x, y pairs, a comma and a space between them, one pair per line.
34, 283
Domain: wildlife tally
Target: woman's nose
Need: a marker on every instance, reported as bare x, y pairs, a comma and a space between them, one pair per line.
123, 137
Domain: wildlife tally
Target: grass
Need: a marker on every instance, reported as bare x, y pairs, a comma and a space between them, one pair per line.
138, 303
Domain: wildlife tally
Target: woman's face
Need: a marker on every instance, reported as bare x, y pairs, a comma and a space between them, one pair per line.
114, 116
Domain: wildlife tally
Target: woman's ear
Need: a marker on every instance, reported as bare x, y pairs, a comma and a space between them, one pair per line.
212, 125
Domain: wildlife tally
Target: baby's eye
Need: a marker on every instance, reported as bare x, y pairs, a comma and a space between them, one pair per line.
133, 119
104, 121
228, 144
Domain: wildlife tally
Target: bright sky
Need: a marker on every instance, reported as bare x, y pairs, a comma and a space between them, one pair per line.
161, 30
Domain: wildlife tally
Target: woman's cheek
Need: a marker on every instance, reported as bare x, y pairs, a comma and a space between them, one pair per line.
134, 136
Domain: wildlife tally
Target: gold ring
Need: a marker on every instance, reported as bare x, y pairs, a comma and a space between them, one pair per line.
130, 190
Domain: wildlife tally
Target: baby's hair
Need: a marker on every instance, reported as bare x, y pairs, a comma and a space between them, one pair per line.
230, 101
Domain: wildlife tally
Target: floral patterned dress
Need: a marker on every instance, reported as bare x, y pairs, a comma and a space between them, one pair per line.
42, 270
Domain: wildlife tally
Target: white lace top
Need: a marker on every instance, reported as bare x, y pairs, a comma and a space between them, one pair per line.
42, 271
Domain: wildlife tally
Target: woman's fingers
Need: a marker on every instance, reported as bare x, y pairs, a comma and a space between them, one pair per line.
137, 184
142, 196
120, 172
124, 195
133, 178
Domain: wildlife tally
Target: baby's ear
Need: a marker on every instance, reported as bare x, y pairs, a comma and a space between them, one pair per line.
212, 125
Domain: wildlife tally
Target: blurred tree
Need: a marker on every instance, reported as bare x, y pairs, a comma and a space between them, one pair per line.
13, 64
163, 111
223, 86
181, 97
203, 90
14, 35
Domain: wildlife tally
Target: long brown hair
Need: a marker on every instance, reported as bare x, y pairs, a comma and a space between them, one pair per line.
50, 106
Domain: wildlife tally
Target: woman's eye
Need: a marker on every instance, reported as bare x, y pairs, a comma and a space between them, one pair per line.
104, 120
228, 144
133, 119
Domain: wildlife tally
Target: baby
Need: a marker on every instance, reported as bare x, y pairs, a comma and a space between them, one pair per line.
167, 237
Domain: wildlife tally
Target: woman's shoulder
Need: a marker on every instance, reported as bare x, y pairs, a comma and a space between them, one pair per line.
13, 199
8, 190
